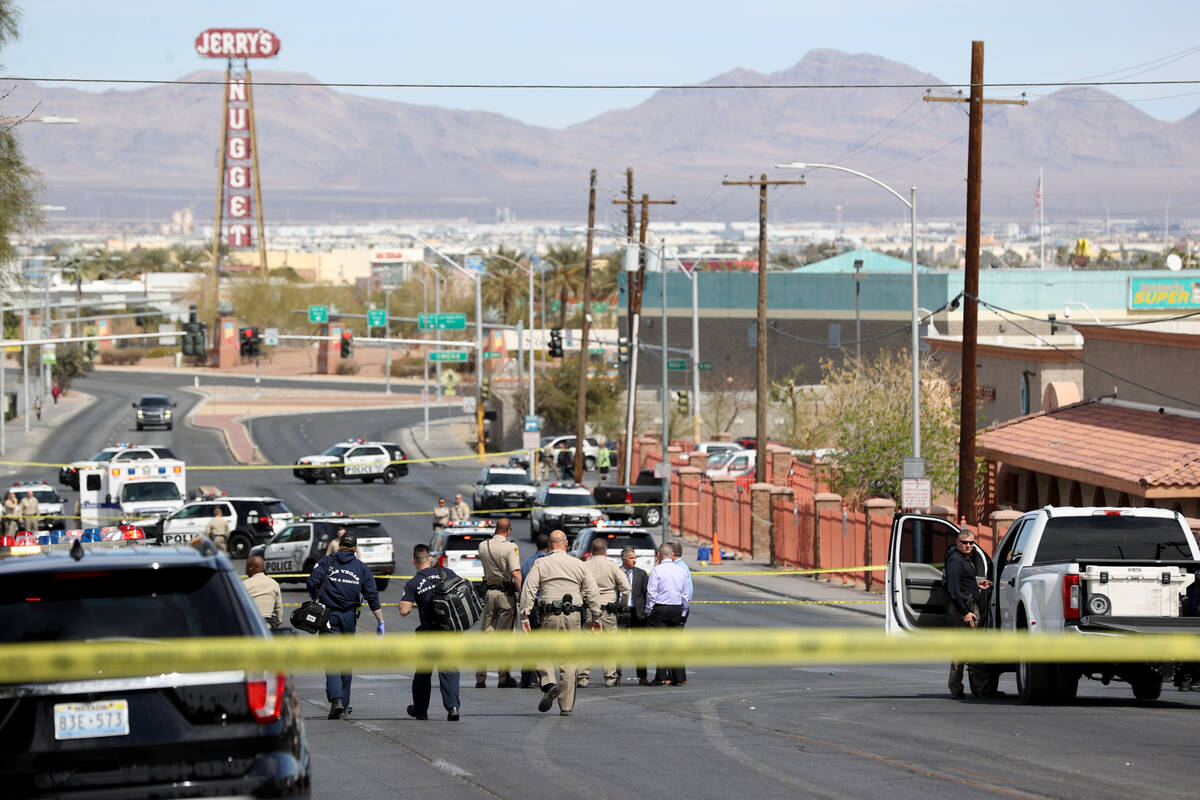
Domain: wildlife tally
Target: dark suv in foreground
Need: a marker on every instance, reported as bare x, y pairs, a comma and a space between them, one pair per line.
228, 733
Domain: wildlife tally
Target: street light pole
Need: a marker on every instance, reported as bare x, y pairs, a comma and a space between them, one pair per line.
666, 433
911, 205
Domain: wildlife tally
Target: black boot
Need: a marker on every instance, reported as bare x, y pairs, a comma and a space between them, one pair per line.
337, 708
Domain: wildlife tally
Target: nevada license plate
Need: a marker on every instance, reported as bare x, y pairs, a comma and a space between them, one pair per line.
91, 720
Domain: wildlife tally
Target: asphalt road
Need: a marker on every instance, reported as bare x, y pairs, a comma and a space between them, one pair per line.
851, 731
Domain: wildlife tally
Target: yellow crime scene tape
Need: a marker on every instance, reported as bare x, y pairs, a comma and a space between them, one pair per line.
752, 602
59, 661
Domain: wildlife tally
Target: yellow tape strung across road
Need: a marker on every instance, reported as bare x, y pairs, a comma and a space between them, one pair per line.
58, 661
756, 602
718, 573
289, 466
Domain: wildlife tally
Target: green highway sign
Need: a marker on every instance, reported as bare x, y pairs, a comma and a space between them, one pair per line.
596, 351
442, 322
376, 318
677, 364
448, 355
704, 365
492, 354
318, 314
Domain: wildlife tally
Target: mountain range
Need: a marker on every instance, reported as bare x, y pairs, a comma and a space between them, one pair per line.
329, 154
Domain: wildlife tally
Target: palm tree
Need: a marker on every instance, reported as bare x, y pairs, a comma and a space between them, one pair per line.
566, 275
503, 281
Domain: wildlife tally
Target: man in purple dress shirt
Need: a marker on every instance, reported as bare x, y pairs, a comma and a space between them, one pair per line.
667, 594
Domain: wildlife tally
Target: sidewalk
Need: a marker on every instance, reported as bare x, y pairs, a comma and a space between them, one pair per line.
20, 446
453, 437
226, 408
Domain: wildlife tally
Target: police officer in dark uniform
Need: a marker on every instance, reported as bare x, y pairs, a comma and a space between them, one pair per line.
963, 589
349, 579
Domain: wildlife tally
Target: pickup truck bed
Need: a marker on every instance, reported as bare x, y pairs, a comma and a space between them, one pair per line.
641, 499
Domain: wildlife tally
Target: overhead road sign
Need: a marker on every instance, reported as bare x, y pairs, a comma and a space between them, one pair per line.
704, 365
376, 318
492, 354
448, 355
442, 322
318, 314
677, 364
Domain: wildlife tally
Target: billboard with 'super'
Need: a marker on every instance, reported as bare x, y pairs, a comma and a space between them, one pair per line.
1175, 293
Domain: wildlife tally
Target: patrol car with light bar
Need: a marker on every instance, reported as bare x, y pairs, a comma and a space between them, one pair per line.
357, 459
499, 488
456, 547
618, 534
296, 549
68, 474
563, 505
50, 503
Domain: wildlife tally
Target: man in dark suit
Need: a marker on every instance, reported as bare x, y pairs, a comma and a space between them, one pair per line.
634, 613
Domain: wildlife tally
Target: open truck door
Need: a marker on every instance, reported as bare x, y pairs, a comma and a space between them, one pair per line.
916, 598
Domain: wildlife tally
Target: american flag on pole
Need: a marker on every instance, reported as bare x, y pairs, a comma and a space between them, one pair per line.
1037, 195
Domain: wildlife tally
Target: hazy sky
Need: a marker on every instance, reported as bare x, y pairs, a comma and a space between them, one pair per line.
654, 41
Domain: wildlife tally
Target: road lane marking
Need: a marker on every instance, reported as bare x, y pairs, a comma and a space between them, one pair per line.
446, 766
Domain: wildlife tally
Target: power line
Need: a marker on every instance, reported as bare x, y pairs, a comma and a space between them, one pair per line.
597, 86
1081, 360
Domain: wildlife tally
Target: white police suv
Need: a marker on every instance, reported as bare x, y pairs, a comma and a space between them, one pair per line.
357, 459
566, 506
499, 488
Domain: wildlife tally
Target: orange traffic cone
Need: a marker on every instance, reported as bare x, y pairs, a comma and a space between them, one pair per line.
715, 557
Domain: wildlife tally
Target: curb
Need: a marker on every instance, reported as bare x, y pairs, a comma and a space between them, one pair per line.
88, 401
410, 431
189, 420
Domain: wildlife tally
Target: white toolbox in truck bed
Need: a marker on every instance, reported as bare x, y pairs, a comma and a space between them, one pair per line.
1129, 591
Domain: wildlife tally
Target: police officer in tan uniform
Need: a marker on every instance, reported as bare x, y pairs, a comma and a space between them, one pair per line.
217, 530
549, 583
28, 511
460, 511
502, 575
614, 594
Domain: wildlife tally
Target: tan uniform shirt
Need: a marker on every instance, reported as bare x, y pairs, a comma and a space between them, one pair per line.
611, 582
555, 575
217, 526
441, 515
500, 559
28, 509
460, 512
264, 591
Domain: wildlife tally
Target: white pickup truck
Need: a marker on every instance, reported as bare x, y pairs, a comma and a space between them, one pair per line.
1062, 571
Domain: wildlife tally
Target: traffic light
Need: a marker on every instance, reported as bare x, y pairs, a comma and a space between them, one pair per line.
681, 398
556, 348
347, 344
244, 335
255, 342
623, 349
189, 340
200, 343
485, 389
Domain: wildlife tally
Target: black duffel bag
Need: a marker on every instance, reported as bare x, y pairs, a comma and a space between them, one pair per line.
312, 616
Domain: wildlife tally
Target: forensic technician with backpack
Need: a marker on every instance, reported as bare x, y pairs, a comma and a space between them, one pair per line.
339, 581
444, 602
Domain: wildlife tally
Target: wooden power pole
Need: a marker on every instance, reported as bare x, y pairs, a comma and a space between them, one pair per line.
760, 399
581, 399
970, 329
635, 313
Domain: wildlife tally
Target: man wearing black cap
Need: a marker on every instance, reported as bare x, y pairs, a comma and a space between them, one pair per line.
348, 580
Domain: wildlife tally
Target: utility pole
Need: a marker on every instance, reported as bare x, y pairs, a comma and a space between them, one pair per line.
760, 400
581, 396
968, 401
635, 313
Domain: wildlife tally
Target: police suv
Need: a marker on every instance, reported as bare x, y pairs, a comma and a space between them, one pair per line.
619, 534
356, 458
296, 549
252, 520
565, 505
456, 547
503, 488
68, 474
50, 504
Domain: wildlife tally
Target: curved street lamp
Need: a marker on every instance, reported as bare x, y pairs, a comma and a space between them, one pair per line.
911, 205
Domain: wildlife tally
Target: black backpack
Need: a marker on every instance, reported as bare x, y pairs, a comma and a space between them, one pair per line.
455, 605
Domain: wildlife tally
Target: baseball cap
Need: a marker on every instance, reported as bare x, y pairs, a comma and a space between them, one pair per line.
348, 541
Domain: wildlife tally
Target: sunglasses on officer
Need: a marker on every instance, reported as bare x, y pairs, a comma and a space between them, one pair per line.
967, 542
